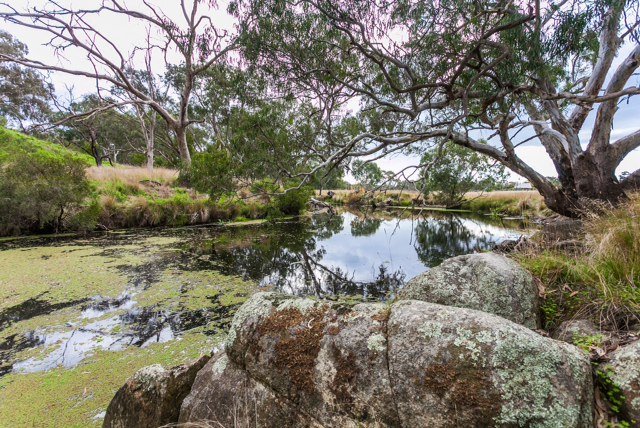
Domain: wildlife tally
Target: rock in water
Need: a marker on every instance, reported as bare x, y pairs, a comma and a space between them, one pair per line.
487, 282
300, 362
623, 370
152, 397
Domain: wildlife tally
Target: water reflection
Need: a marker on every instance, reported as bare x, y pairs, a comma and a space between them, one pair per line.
366, 255
371, 258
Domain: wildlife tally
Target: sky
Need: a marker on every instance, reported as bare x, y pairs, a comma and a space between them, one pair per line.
125, 33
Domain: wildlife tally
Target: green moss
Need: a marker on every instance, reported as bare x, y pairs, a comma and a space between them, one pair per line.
73, 273
71, 398
63, 273
193, 290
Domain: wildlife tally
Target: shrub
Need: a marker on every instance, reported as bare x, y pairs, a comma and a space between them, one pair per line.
210, 172
292, 201
40, 190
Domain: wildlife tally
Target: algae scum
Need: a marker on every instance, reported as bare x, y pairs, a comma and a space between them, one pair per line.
92, 310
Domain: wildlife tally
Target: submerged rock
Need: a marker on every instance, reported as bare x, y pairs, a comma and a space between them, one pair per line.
621, 377
487, 282
152, 396
300, 362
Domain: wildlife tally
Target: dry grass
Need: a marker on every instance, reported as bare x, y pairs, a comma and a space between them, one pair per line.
522, 195
507, 202
132, 175
600, 279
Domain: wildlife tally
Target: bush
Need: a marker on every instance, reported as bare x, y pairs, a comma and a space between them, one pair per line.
210, 172
292, 202
40, 191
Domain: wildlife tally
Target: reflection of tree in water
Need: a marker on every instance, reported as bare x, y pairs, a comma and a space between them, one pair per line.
439, 239
365, 226
288, 257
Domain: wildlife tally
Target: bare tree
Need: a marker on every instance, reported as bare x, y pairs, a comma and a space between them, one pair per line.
505, 72
195, 40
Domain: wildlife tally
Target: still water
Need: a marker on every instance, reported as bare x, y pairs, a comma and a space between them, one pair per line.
163, 283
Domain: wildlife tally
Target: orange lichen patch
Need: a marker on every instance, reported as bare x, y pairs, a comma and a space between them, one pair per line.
463, 389
298, 343
345, 378
382, 316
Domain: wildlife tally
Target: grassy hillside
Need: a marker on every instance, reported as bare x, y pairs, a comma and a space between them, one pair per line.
13, 142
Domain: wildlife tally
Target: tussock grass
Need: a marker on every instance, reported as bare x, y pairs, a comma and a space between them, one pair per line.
601, 279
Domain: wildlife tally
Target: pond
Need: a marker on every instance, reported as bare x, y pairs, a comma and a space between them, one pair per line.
65, 299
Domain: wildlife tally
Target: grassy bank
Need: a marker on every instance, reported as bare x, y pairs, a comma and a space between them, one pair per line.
514, 203
502, 203
594, 275
50, 188
125, 197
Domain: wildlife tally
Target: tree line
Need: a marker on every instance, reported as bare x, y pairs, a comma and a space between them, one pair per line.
300, 90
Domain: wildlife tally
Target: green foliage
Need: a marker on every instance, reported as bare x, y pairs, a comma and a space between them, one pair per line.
24, 94
334, 179
613, 393
368, 174
100, 134
549, 310
586, 343
265, 187
40, 190
455, 171
211, 172
291, 201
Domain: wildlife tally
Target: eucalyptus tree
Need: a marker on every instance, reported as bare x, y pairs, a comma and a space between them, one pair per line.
193, 41
368, 174
24, 93
464, 71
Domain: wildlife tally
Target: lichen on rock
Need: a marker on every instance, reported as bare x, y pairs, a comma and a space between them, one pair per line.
409, 364
488, 282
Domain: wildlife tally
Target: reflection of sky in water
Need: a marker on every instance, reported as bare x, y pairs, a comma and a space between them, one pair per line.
72, 346
331, 255
394, 245
391, 245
